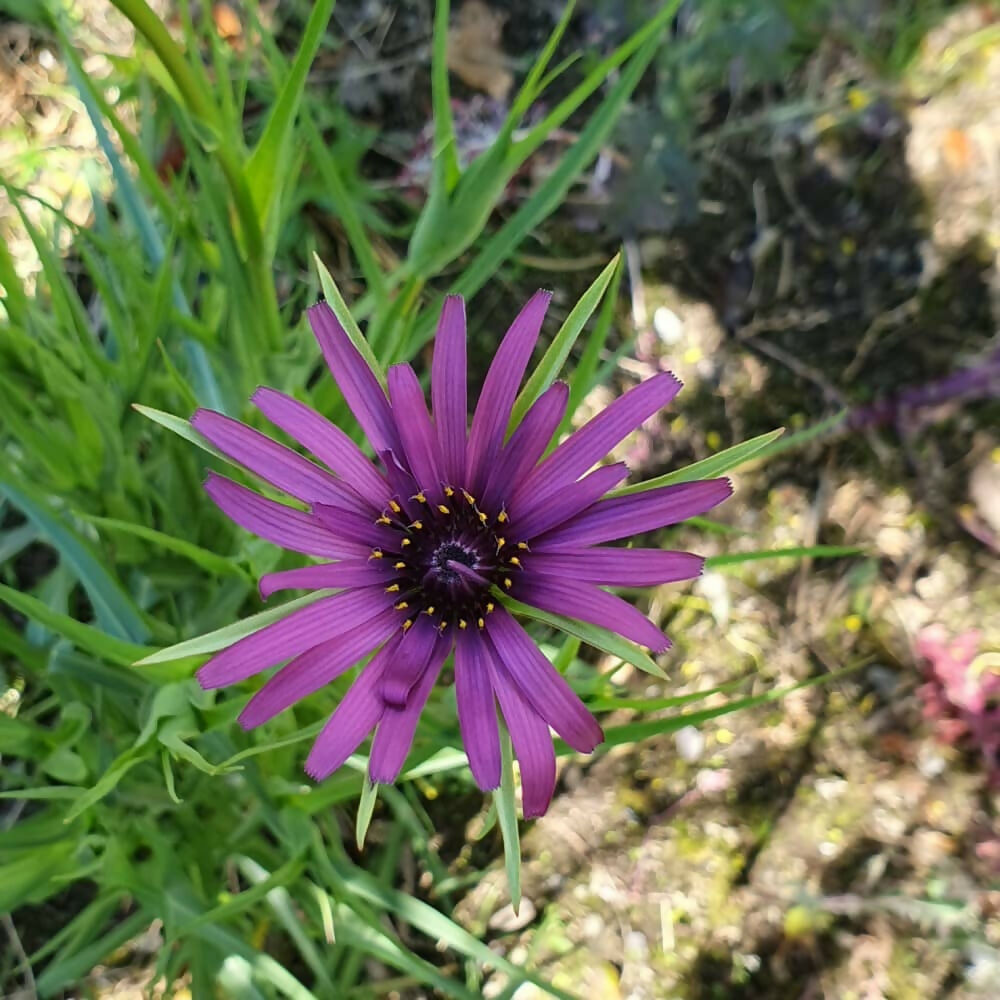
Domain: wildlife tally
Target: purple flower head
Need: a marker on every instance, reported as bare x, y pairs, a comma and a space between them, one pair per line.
421, 546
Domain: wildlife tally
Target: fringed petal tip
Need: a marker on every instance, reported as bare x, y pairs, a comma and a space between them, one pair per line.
314, 771
662, 647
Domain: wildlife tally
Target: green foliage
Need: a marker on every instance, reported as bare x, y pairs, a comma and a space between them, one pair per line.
125, 778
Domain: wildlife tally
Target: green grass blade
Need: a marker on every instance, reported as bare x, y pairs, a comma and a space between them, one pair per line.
182, 428
445, 169
558, 351
336, 302
803, 436
708, 468
634, 731
366, 808
210, 642
800, 552
550, 194
520, 151
600, 638
267, 165
86, 637
344, 206
113, 608
506, 808
212, 562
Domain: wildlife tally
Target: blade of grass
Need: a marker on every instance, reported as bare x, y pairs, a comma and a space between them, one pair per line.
267, 164
226, 636
113, 608
601, 638
86, 637
708, 468
804, 552
506, 807
209, 561
555, 356
336, 302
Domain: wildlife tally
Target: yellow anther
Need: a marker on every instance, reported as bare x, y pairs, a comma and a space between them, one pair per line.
429, 609
376, 554
523, 546
417, 525
392, 589
449, 491
507, 582
502, 517
421, 497
469, 497
443, 509
402, 565
442, 627
483, 517
462, 623
481, 623
383, 520
405, 542
407, 624
514, 561
501, 542
401, 606
394, 507
489, 607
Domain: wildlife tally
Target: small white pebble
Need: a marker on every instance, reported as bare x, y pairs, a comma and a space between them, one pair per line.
668, 325
690, 743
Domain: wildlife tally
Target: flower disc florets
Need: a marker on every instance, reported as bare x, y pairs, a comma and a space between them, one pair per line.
449, 557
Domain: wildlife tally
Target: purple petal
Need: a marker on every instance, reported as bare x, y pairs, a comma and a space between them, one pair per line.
325, 440
301, 630
285, 526
394, 735
526, 445
567, 503
489, 424
316, 668
324, 576
357, 382
587, 446
620, 517
415, 428
353, 719
348, 525
617, 567
588, 603
406, 667
477, 714
401, 483
448, 391
541, 684
273, 462
532, 743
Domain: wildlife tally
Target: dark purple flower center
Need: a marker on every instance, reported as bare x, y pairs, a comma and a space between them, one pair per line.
449, 557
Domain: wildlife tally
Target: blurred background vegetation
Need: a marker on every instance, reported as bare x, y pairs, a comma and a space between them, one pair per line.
807, 197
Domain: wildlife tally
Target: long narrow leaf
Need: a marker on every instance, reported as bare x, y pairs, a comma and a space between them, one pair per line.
226, 636
601, 638
267, 166
555, 356
708, 468
113, 608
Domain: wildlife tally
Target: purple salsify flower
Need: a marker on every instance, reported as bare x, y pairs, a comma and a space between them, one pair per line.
421, 543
